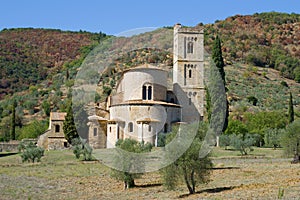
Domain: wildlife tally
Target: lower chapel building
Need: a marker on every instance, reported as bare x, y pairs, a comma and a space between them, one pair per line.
144, 106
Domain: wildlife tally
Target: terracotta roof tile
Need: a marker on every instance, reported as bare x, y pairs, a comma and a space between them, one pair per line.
58, 116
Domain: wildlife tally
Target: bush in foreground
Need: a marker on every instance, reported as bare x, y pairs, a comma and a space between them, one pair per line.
81, 147
30, 152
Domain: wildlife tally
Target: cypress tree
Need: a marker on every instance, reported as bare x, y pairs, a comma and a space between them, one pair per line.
218, 58
69, 127
219, 62
291, 109
13, 121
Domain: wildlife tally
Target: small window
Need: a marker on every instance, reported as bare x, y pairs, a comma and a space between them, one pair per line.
149, 128
95, 131
190, 48
130, 127
190, 101
110, 129
149, 92
190, 73
57, 128
166, 128
144, 92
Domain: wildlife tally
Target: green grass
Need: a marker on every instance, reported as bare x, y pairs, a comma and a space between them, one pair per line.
220, 152
55, 164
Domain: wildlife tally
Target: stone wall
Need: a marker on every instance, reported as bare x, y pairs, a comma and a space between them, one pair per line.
11, 146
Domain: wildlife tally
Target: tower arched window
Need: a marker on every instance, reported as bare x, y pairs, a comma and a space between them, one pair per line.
130, 127
147, 92
144, 92
190, 47
190, 73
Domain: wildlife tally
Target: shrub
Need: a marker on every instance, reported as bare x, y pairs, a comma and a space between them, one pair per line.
81, 147
224, 140
272, 137
253, 100
291, 139
30, 152
128, 162
242, 143
283, 83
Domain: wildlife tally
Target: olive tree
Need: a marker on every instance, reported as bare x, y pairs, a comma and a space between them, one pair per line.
188, 168
291, 140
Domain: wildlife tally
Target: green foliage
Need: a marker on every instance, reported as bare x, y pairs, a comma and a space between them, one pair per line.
30, 104
13, 121
30, 152
242, 143
218, 58
236, 127
291, 109
80, 120
208, 104
189, 168
106, 91
260, 121
81, 147
280, 193
219, 63
291, 139
161, 141
32, 130
224, 140
284, 83
5, 129
46, 107
217, 107
252, 100
69, 127
272, 137
129, 162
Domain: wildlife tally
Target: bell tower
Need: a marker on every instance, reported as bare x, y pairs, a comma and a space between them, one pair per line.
188, 71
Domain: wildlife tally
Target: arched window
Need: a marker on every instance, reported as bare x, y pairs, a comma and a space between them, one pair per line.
149, 92
190, 73
144, 92
190, 47
130, 127
149, 128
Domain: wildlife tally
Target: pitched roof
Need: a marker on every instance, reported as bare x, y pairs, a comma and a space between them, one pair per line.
58, 116
96, 117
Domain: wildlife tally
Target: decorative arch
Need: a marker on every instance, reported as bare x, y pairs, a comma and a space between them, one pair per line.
147, 91
190, 47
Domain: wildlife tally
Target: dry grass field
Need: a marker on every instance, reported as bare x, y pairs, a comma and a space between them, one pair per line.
60, 176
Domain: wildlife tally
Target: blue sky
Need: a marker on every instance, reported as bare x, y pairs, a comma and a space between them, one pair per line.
113, 17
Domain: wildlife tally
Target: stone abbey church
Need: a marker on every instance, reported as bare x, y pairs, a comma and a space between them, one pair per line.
143, 106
